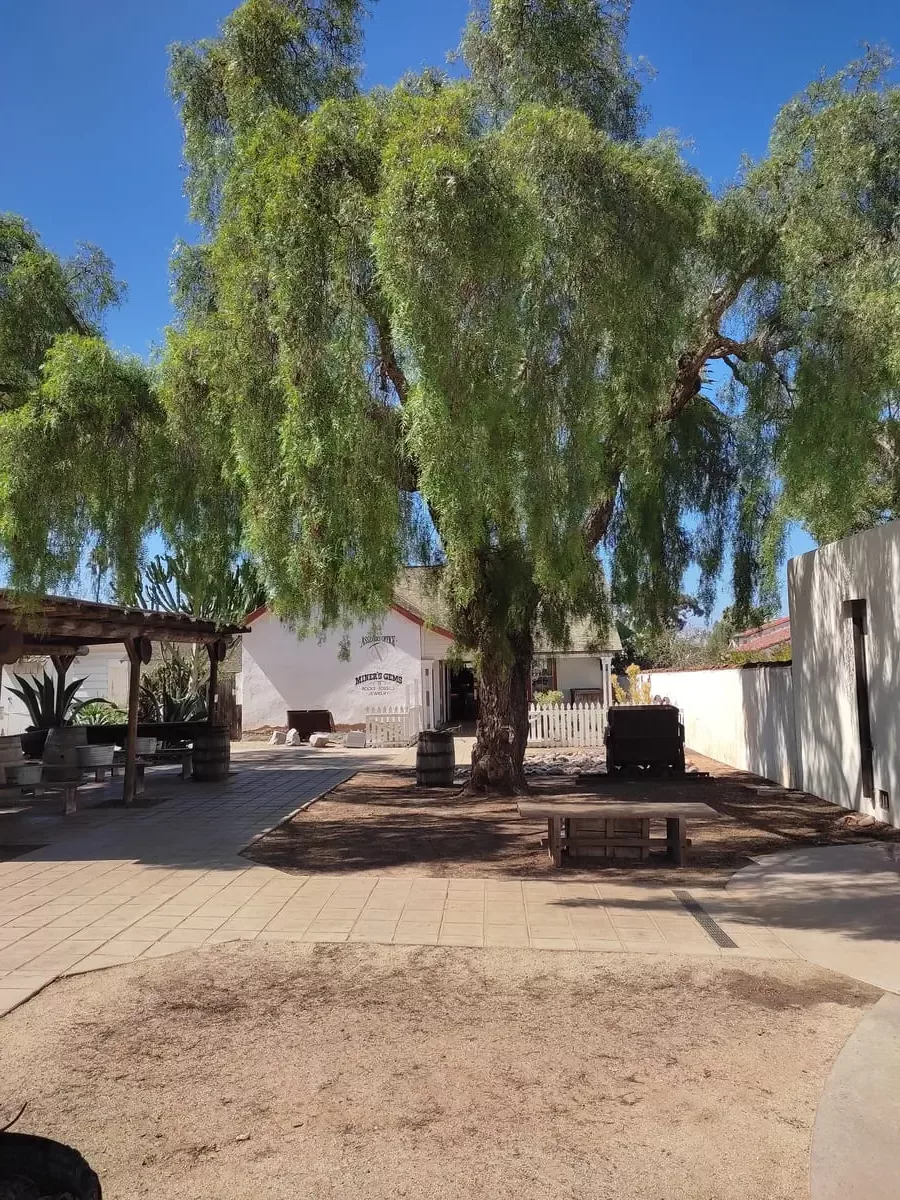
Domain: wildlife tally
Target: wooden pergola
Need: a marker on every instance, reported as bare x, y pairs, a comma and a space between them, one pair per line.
62, 628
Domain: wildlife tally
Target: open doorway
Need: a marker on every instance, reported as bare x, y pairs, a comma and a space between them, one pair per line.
463, 698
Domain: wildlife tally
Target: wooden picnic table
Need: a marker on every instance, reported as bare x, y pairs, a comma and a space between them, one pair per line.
586, 828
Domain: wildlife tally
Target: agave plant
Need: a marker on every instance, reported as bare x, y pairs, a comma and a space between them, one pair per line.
39, 697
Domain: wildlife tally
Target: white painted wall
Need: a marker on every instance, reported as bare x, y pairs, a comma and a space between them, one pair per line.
581, 671
742, 716
281, 671
104, 670
866, 567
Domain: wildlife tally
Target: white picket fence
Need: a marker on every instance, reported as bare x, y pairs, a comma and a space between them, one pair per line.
393, 724
566, 725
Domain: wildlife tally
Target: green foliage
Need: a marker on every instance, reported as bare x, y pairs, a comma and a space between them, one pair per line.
556, 54
548, 698
100, 712
81, 433
169, 692
40, 698
635, 690
182, 583
469, 321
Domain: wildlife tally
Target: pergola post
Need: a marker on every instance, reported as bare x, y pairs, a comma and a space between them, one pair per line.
61, 663
139, 652
216, 651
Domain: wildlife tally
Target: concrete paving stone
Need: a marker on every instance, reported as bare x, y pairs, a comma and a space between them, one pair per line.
220, 936
189, 937
309, 936
99, 962
326, 927
162, 949
130, 949
597, 945
504, 936
414, 936
553, 943
11, 998
458, 939
383, 934
460, 927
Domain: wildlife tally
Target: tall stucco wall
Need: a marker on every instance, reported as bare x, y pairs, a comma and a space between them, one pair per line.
742, 716
866, 567
282, 671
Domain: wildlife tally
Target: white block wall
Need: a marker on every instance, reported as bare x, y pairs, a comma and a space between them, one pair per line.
743, 717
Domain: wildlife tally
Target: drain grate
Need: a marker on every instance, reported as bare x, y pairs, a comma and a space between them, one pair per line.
710, 927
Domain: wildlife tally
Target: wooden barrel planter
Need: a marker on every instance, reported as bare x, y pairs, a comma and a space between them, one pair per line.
10, 756
211, 759
91, 757
435, 759
61, 753
38, 1167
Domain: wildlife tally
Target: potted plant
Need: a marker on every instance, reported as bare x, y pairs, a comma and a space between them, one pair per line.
40, 698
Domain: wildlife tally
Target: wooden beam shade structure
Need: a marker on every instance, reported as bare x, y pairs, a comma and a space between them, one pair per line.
139, 651
62, 627
217, 651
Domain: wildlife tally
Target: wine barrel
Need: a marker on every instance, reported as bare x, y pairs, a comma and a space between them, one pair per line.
10, 755
60, 755
11, 749
91, 757
435, 759
211, 758
36, 1166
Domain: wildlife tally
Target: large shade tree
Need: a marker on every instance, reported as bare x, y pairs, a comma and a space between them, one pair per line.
473, 319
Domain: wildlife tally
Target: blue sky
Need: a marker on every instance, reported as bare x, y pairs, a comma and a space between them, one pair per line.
92, 142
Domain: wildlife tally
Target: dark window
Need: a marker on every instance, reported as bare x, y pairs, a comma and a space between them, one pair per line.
856, 611
543, 674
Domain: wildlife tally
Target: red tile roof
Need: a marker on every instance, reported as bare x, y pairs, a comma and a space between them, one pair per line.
773, 633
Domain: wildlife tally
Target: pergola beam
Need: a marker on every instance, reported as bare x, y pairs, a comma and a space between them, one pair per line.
139, 651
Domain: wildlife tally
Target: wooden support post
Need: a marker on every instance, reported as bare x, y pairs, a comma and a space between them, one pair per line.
217, 651
139, 651
61, 662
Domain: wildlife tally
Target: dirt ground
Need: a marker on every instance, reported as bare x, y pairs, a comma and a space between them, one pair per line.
381, 822
338, 1072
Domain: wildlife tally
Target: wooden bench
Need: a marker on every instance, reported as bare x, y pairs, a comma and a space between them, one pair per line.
39, 791
588, 829
182, 755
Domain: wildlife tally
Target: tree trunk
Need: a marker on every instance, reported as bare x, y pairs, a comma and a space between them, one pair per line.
502, 729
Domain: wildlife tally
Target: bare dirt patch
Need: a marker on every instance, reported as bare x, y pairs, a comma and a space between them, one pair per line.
380, 822
336, 1072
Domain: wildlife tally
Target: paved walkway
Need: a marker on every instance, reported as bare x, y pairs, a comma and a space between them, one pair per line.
836, 906
854, 1143
113, 886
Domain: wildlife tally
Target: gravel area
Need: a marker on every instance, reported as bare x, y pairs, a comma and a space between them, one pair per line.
337, 1072
380, 822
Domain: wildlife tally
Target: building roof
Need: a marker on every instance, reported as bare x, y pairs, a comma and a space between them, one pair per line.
764, 637
58, 624
417, 597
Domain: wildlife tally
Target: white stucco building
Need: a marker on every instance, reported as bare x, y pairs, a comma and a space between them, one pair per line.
400, 660
104, 670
